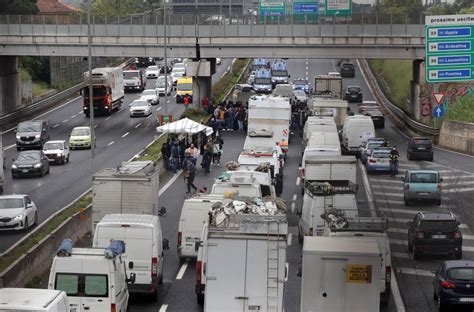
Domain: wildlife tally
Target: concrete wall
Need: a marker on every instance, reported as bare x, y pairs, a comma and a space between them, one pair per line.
458, 136
10, 84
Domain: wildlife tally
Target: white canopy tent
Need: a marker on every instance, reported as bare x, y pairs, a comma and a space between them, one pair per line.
185, 126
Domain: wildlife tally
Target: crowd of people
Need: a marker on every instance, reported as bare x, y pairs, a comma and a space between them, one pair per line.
226, 116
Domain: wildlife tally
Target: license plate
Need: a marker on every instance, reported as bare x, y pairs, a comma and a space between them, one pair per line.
466, 299
438, 236
25, 170
421, 148
423, 194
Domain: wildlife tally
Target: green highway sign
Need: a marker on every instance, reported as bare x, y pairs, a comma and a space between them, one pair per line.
449, 48
271, 11
338, 7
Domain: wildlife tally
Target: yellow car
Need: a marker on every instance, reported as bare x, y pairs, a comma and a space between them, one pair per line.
80, 137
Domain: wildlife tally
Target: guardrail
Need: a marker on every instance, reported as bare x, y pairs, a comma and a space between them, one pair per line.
47, 102
393, 109
239, 80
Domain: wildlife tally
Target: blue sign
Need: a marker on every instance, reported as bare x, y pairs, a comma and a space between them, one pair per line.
451, 46
454, 73
305, 8
438, 111
451, 32
451, 60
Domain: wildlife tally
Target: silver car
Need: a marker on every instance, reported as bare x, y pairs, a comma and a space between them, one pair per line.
17, 212
140, 108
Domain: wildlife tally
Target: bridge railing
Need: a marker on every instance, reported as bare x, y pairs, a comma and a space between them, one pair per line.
389, 25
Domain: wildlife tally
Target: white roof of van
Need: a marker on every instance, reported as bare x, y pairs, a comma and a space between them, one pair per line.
135, 219
320, 244
26, 299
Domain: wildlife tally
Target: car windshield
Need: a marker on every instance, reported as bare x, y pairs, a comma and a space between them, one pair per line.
53, 146
374, 144
179, 65
177, 74
421, 142
80, 132
149, 92
139, 103
353, 89
423, 177
130, 75
29, 127
299, 93
28, 156
462, 274
178, 70
185, 86
348, 65
152, 68
381, 154
263, 81
441, 225
8, 203
280, 73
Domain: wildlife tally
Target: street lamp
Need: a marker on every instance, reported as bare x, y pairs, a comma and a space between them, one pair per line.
165, 58
91, 100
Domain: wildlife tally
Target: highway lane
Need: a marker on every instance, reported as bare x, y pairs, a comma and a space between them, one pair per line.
114, 145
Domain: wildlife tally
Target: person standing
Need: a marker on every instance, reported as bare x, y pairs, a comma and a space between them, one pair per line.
174, 157
241, 118
193, 151
186, 103
206, 160
216, 152
189, 166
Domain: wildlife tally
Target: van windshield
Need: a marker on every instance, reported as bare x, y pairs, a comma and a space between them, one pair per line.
185, 86
130, 75
82, 285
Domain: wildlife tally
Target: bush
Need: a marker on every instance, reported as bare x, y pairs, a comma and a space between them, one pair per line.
196, 114
226, 83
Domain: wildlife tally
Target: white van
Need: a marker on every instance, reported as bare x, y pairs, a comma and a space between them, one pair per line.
94, 279
257, 140
313, 153
30, 299
251, 159
244, 183
318, 124
356, 129
320, 139
144, 247
193, 216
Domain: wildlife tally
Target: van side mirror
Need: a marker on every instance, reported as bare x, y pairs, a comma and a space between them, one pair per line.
162, 212
132, 279
130, 265
197, 245
441, 180
166, 244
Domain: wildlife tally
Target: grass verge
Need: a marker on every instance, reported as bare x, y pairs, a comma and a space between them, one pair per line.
196, 114
39, 88
225, 84
45, 230
153, 152
462, 110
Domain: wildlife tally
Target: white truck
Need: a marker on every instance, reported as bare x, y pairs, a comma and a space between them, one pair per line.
319, 106
262, 139
318, 124
2, 165
272, 113
241, 262
328, 85
107, 90
38, 300
363, 228
244, 183
131, 188
340, 275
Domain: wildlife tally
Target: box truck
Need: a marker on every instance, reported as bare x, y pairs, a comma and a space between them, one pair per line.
340, 275
328, 85
363, 228
241, 262
131, 188
320, 106
107, 90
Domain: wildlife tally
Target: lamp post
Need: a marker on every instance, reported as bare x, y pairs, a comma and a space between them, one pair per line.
91, 100
165, 57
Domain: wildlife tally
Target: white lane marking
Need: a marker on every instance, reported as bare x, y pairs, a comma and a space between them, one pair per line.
467, 189
169, 183
298, 181
107, 118
73, 116
121, 109
402, 165
368, 191
163, 308
386, 187
418, 272
125, 134
65, 120
396, 181
293, 207
52, 110
56, 125
394, 202
95, 126
138, 125
149, 116
8, 147
295, 196
413, 212
159, 108
110, 143
467, 176
388, 194
80, 112
181, 271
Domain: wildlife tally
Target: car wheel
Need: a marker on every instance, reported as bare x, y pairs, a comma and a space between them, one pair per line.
441, 307
26, 227
154, 296
435, 297
67, 159
416, 253
410, 246
43, 173
438, 202
408, 156
458, 255
36, 219
63, 161
182, 260
300, 236
200, 299
430, 159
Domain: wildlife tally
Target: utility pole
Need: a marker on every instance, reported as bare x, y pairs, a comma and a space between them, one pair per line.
91, 100
165, 58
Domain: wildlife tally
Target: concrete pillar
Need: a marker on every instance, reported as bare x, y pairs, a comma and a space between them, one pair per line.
417, 76
10, 84
202, 87
201, 71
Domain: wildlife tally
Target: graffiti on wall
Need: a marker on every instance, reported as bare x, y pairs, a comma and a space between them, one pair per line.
454, 92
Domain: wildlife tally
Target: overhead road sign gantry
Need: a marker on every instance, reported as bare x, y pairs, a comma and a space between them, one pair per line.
449, 48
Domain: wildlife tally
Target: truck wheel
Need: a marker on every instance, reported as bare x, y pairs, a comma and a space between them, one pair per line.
438, 202
87, 115
458, 255
200, 299
416, 253
300, 237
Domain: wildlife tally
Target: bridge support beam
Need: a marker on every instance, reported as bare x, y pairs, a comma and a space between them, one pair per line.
418, 78
10, 84
201, 70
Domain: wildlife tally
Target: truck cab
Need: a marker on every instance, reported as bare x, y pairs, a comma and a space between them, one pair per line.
184, 88
133, 80
279, 72
107, 90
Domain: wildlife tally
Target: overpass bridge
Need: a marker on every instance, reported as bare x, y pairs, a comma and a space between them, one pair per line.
368, 36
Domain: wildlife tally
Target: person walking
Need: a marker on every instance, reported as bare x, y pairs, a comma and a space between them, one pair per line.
216, 152
206, 160
193, 151
241, 118
189, 165
174, 157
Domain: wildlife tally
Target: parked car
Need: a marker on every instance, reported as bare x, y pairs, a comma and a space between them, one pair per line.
152, 72
300, 96
30, 163
365, 149
353, 94
379, 160
80, 137
422, 185
347, 69
151, 96
139, 108
218, 61
436, 233
378, 118
301, 84
57, 151
17, 212
420, 148
334, 74
452, 284
31, 134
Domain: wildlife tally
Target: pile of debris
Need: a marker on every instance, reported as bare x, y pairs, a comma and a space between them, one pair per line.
224, 210
335, 218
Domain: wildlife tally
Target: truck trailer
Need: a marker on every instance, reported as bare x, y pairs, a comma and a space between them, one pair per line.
328, 85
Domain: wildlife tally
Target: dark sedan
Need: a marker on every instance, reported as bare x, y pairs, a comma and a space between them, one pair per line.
353, 94
30, 163
453, 284
377, 117
347, 69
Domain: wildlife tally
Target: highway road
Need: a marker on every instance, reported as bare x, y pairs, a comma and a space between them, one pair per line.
119, 138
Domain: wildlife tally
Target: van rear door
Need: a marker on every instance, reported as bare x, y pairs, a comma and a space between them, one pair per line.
194, 219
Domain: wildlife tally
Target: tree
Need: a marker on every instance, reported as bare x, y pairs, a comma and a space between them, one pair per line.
412, 9
441, 9
18, 7
119, 7
467, 10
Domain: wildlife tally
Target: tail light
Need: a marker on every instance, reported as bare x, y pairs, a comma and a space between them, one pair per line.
440, 187
302, 173
310, 231
420, 234
180, 235
457, 234
198, 272
446, 284
113, 308
154, 267
388, 276
373, 161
